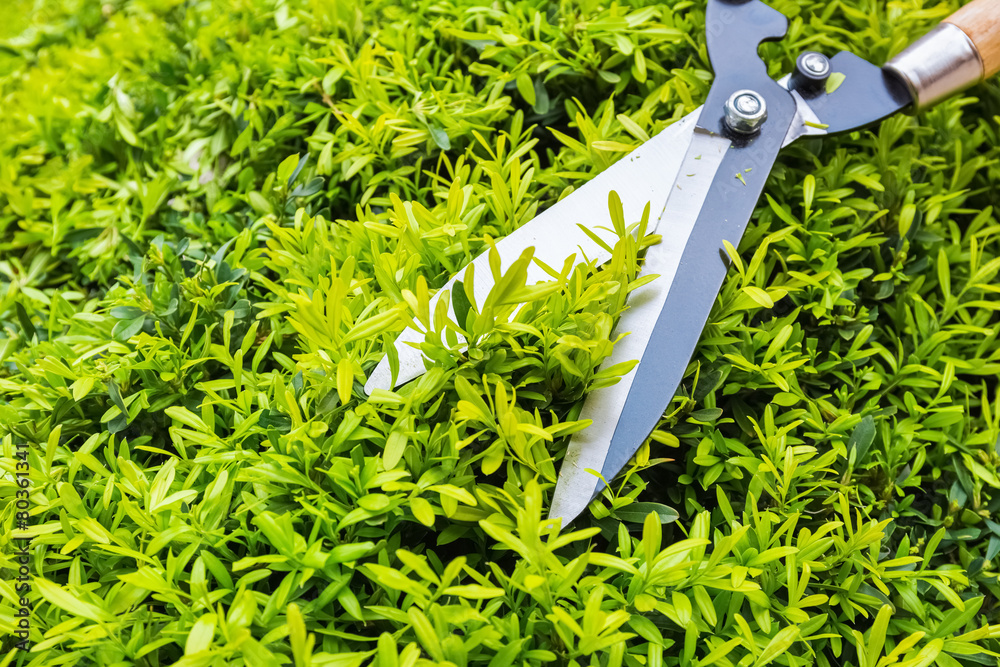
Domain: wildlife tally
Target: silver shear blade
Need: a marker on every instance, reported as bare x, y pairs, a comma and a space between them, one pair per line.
588, 450
693, 263
638, 178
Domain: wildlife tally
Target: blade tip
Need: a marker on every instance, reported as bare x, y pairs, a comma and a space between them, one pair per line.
566, 507
380, 378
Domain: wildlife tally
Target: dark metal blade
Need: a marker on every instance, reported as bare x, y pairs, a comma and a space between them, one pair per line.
588, 449
724, 216
867, 95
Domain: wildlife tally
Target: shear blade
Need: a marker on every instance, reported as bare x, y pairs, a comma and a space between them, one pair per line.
589, 449
641, 176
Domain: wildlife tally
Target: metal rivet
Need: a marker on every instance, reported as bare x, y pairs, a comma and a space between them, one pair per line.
816, 64
745, 111
811, 71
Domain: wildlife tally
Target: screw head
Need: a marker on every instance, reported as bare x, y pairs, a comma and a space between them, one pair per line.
745, 111
811, 71
815, 63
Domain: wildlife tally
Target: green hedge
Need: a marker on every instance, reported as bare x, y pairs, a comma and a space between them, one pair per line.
215, 215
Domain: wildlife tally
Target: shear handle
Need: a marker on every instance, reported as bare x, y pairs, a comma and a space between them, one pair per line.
960, 52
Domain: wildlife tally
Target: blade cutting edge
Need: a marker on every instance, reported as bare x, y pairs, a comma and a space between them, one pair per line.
588, 449
701, 271
638, 178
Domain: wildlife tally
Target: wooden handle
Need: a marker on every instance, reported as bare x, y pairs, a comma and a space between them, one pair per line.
980, 20
960, 52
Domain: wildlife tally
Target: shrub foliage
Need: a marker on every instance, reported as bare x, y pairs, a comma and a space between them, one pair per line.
216, 214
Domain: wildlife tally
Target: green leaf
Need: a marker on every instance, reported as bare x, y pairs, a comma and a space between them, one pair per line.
808, 190
474, 592
242, 141
125, 329
637, 512
460, 303
780, 643
259, 202
394, 447
927, 655
345, 379
116, 398
82, 387
68, 602
876, 637
287, 169
651, 536
761, 297
126, 312
834, 81
646, 629
957, 619
23, 319
201, 635
188, 418
720, 652
422, 511
861, 440
346, 553
526, 87
617, 214
541, 104
440, 138
425, 633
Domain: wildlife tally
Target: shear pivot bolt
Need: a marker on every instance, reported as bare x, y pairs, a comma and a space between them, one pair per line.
811, 71
815, 63
745, 111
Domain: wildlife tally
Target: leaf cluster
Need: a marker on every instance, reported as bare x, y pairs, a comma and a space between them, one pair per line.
216, 216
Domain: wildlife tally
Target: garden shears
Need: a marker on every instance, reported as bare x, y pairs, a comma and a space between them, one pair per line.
686, 173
